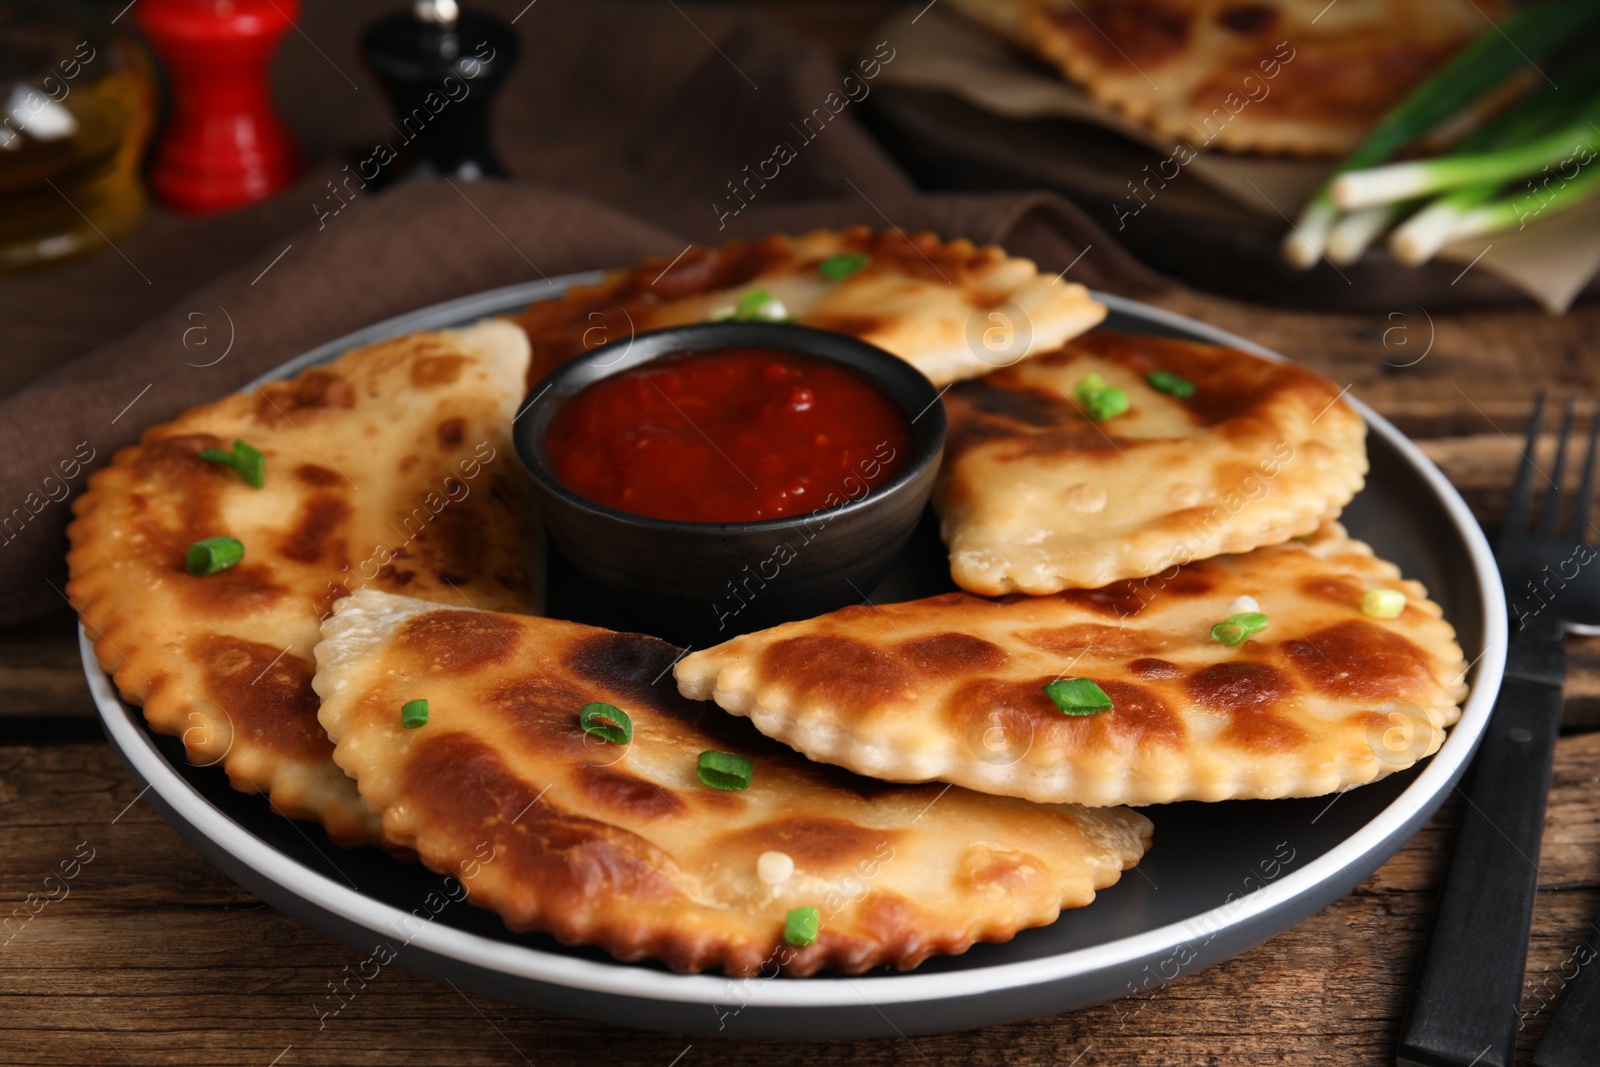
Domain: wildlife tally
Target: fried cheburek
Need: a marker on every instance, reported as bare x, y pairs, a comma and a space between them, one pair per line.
619, 843
949, 308
1296, 77
953, 687
1035, 496
390, 467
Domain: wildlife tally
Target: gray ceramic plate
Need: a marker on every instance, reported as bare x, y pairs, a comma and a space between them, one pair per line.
1221, 877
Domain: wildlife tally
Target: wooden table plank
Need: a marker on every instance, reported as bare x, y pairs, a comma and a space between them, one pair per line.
41, 675
154, 956
1432, 375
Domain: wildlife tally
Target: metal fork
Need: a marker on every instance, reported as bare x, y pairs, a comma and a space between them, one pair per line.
1464, 1008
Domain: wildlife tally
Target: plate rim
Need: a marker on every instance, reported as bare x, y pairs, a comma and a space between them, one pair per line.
617, 978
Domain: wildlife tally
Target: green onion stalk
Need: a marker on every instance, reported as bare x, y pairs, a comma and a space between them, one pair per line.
1513, 212
1434, 226
1529, 35
1352, 233
1403, 181
1549, 107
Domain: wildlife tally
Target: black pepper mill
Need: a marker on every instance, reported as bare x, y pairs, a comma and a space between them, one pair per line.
441, 68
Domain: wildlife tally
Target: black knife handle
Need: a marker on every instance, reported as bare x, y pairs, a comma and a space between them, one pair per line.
1464, 1010
1572, 1039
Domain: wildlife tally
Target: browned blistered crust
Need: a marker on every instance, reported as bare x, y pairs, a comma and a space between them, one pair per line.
391, 466
1278, 76
1035, 497
952, 687
628, 850
917, 297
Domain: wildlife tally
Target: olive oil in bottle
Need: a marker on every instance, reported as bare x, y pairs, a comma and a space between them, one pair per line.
77, 102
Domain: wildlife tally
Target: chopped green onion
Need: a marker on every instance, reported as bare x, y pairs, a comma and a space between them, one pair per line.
607, 722
252, 465
723, 314
724, 770
751, 303
758, 305
774, 868
1237, 629
1088, 385
1099, 400
247, 461
213, 554
1167, 382
414, 713
800, 926
1077, 696
1383, 603
1106, 404
838, 268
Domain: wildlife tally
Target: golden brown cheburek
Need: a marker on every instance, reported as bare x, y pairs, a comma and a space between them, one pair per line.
952, 687
1299, 77
391, 466
949, 308
624, 847
1035, 497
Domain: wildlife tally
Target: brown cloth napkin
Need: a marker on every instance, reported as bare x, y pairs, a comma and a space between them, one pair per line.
649, 109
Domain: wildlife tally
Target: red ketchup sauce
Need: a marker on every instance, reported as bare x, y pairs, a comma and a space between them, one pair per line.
735, 435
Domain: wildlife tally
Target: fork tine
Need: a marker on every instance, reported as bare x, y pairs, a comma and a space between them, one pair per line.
1520, 506
1550, 513
1585, 499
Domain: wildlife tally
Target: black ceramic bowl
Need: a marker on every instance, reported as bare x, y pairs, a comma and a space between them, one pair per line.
699, 583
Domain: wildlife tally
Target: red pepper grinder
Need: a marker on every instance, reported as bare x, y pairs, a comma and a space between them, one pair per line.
226, 145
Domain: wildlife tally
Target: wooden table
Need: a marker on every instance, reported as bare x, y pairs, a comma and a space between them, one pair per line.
155, 957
